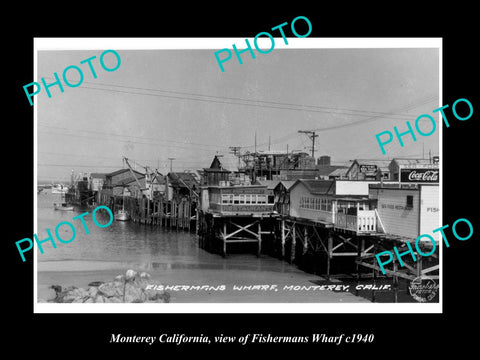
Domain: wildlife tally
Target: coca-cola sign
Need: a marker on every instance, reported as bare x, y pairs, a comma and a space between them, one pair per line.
419, 175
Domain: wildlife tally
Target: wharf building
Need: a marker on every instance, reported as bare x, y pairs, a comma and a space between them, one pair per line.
325, 218
352, 212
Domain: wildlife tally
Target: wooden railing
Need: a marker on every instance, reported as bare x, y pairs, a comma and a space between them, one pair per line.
364, 222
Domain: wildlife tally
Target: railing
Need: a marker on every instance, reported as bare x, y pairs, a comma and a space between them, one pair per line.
364, 222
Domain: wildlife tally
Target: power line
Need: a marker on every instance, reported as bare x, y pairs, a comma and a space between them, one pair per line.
127, 136
255, 103
125, 141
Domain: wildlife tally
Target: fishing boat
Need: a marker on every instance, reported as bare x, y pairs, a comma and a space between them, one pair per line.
122, 214
63, 206
59, 189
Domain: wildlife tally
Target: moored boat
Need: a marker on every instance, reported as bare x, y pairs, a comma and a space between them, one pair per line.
122, 215
63, 206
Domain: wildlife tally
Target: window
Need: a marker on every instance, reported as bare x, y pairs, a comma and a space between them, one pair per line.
271, 199
324, 205
242, 199
236, 199
409, 202
247, 199
262, 199
225, 199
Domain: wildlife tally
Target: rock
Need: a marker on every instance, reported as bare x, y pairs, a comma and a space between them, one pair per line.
134, 294
144, 275
75, 295
113, 299
128, 288
111, 289
130, 275
151, 294
92, 291
100, 299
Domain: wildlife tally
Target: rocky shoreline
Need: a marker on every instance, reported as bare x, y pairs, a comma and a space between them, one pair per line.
128, 288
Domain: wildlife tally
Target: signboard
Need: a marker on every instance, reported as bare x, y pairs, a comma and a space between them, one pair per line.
368, 168
430, 176
244, 190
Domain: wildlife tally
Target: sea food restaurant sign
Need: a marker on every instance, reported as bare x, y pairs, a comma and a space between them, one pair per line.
419, 175
370, 169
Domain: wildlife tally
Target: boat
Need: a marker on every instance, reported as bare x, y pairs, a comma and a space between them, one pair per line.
63, 206
59, 189
122, 215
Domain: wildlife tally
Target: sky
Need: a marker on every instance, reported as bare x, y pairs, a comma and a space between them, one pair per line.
165, 103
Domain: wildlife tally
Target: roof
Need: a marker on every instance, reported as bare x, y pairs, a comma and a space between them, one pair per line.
339, 172
271, 184
317, 187
287, 183
328, 169
353, 198
273, 152
182, 178
130, 181
98, 175
117, 172
227, 162
408, 162
384, 165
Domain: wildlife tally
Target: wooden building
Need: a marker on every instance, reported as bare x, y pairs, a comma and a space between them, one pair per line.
232, 210
369, 169
121, 177
415, 171
407, 212
96, 181
339, 204
282, 197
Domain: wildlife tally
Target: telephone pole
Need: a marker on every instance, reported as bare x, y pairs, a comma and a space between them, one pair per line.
311, 134
171, 161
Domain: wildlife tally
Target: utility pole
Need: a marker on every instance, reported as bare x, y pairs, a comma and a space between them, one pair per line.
311, 134
171, 162
235, 150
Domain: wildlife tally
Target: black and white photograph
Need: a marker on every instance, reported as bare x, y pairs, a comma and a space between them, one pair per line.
263, 183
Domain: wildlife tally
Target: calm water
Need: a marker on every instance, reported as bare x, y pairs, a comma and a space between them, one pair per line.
127, 243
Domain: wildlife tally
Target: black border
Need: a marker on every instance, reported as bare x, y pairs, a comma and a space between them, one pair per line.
409, 334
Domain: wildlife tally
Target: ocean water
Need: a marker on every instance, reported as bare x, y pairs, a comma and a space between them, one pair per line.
174, 257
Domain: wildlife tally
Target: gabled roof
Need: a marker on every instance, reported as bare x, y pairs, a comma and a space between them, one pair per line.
130, 181
181, 178
121, 171
339, 172
271, 184
287, 184
227, 162
381, 164
328, 169
317, 187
